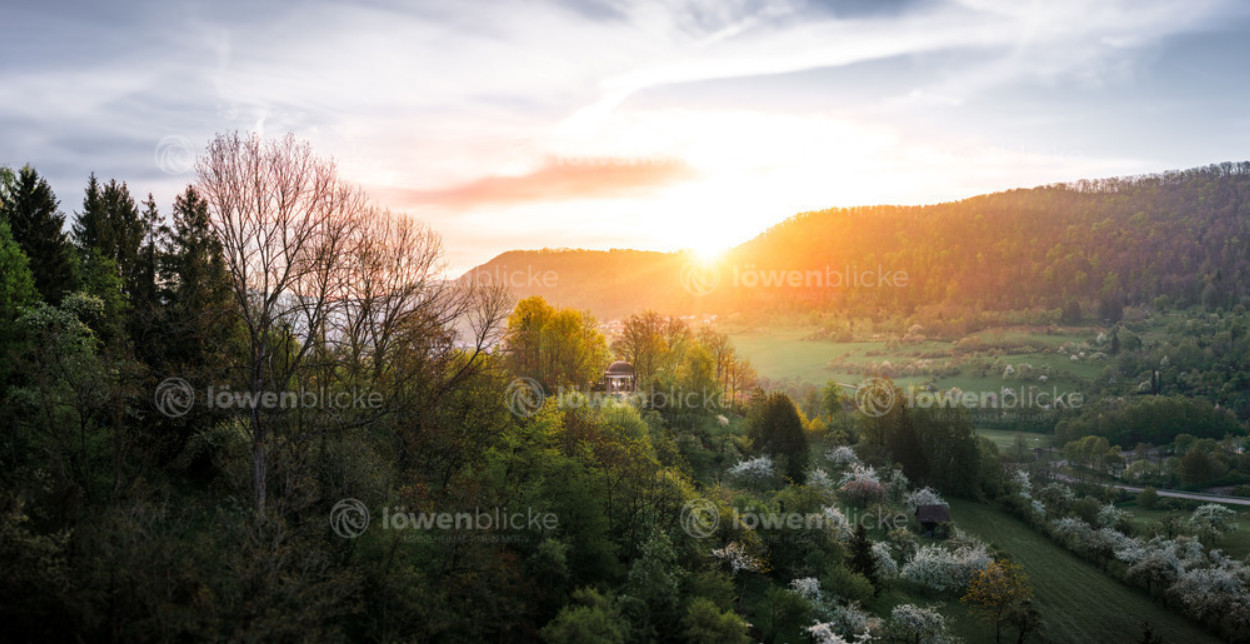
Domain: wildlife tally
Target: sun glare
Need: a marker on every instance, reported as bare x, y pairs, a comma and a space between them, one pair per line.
708, 254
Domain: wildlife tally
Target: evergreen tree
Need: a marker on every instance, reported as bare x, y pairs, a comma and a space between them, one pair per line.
35, 221
775, 428
145, 325
860, 555
109, 228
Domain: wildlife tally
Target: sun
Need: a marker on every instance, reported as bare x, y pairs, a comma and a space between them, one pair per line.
708, 253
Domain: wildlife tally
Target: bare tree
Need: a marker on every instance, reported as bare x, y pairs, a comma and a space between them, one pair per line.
331, 288
287, 225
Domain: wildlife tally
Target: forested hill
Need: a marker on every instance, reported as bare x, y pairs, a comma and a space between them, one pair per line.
1170, 239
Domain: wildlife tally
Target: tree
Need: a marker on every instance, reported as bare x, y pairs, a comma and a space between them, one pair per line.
17, 288
35, 222
109, 227
593, 618
1025, 618
646, 340
775, 428
1210, 521
912, 624
996, 591
286, 222
1196, 468
327, 288
860, 555
558, 347
1148, 497
706, 624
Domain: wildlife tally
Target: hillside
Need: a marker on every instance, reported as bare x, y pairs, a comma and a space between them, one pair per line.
1171, 239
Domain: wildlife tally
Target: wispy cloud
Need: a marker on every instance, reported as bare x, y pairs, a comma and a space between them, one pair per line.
556, 180
418, 98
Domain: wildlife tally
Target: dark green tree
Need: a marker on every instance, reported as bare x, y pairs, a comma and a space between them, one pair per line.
775, 428
35, 221
17, 290
109, 227
859, 555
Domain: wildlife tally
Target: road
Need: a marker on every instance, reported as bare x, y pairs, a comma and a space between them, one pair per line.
1176, 494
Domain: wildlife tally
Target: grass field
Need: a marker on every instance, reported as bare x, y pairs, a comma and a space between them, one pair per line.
1077, 602
1005, 439
783, 354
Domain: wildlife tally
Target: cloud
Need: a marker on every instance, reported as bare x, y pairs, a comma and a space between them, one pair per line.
556, 180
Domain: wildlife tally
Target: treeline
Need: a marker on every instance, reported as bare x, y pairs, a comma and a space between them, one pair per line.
1155, 420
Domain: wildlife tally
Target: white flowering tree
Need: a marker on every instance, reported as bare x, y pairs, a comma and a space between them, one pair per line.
845, 623
841, 456
808, 588
1110, 516
837, 523
757, 471
945, 570
1216, 594
1212, 521
821, 480
1024, 486
883, 560
823, 633
911, 623
736, 556
898, 486
923, 496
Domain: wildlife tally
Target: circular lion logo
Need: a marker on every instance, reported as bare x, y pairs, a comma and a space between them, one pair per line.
524, 397
175, 155
174, 397
349, 518
699, 279
700, 518
875, 397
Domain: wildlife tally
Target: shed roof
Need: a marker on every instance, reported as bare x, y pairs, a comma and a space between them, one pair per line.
937, 513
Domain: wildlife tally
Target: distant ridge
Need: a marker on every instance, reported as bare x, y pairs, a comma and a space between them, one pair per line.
1170, 239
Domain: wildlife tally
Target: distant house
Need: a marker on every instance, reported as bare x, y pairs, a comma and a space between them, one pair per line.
619, 378
933, 519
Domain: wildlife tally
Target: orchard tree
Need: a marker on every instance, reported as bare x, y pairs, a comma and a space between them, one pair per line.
1212, 521
996, 591
912, 624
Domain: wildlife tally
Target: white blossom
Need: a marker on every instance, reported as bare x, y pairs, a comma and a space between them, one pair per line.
883, 560
911, 623
758, 469
923, 496
842, 456
1109, 516
945, 570
736, 556
821, 479
823, 634
1212, 519
1023, 484
808, 588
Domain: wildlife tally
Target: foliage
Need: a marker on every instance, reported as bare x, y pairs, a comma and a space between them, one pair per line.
996, 591
775, 428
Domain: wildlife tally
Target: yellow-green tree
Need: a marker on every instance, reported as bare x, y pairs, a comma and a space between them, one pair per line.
555, 346
997, 591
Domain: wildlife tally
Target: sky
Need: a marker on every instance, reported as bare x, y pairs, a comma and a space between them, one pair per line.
652, 125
